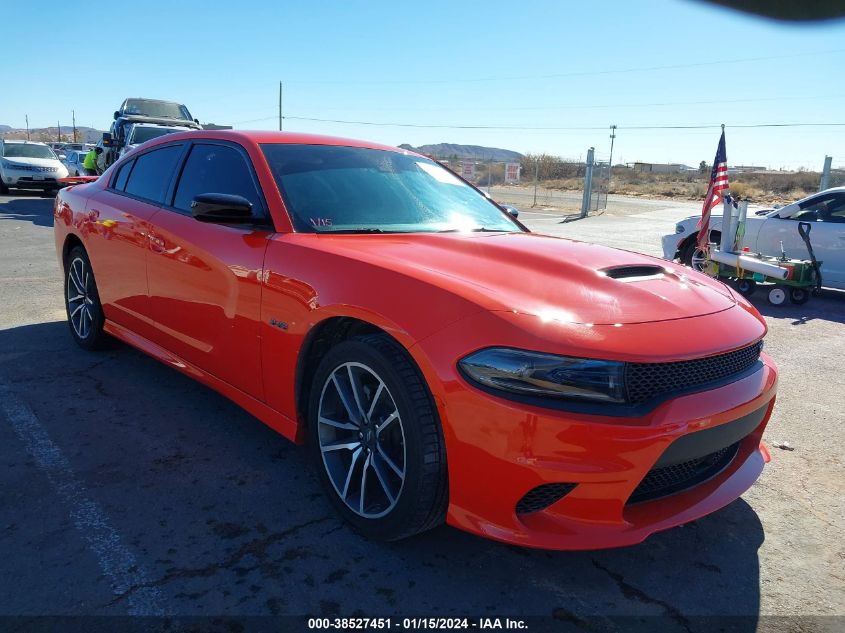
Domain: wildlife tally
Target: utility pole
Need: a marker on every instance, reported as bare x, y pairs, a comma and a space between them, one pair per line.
27, 127
612, 137
610, 160
73, 112
280, 106
58, 131
489, 173
536, 175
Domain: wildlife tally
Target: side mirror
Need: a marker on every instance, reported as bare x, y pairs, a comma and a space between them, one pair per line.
222, 208
510, 209
116, 114
62, 156
107, 140
788, 210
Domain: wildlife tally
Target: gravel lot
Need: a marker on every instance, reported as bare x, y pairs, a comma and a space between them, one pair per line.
126, 488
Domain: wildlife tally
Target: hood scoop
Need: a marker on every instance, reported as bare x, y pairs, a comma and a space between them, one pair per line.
634, 273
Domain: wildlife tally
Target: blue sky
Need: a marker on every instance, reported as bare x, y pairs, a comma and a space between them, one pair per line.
520, 64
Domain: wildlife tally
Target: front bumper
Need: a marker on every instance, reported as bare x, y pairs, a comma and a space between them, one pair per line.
672, 245
31, 180
500, 450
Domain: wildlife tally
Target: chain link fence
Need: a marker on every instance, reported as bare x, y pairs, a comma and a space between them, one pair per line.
837, 178
600, 186
535, 181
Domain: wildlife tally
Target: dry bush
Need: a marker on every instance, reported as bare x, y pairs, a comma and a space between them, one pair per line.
761, 187
741, 190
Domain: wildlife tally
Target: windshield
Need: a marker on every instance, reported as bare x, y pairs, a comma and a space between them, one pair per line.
329, 188
144, 134
27, 150
158, 109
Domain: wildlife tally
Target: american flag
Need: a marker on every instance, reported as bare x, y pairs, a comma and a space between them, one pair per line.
718, 184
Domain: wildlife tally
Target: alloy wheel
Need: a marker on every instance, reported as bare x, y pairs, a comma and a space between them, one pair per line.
698, 259
361, 440
80, 298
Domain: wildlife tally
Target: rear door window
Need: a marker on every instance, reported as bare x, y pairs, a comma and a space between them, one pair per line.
122, 175
152, 173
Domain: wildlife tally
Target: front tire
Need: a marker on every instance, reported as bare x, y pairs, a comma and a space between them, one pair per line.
746, 287
82, 302
376, 439
695, 257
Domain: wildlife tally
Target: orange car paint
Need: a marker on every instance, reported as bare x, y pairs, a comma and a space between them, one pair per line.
208, 300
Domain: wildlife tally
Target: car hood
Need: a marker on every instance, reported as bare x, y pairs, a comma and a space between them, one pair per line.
553, 278
38, 162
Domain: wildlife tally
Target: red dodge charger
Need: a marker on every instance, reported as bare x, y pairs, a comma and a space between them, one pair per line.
441, 362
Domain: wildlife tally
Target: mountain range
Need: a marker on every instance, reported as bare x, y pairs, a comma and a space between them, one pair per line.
452, 150
51, 134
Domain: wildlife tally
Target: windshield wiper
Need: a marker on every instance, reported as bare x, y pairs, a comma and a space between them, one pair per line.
478, 229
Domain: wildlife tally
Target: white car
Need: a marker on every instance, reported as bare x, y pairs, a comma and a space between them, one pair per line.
73, 162
765, 230
29, 165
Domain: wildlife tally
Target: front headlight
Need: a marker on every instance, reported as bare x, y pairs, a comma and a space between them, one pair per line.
679, 228
538, 374
17, 166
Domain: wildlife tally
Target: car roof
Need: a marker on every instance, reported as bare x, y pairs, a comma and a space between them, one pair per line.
831, 190
260, 137
146, 100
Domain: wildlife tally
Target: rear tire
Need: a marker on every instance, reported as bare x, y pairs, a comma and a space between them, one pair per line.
82, 302
376, 439
799, 296
4, 190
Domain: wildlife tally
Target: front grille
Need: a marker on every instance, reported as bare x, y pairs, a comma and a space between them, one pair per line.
36, 168
542, 497
646, 381
667, 480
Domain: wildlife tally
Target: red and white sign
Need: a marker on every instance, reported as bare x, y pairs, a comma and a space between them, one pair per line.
512, 172
468, 170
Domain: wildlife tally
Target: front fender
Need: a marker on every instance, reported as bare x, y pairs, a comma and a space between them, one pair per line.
303, 286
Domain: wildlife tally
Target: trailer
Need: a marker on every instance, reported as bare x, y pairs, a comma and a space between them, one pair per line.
785, 278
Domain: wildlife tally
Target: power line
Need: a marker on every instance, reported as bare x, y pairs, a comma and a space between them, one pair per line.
568, 128
593, 106
576, 73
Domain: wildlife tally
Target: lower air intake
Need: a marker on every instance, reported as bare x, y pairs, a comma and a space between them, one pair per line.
542, 497
667, 480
